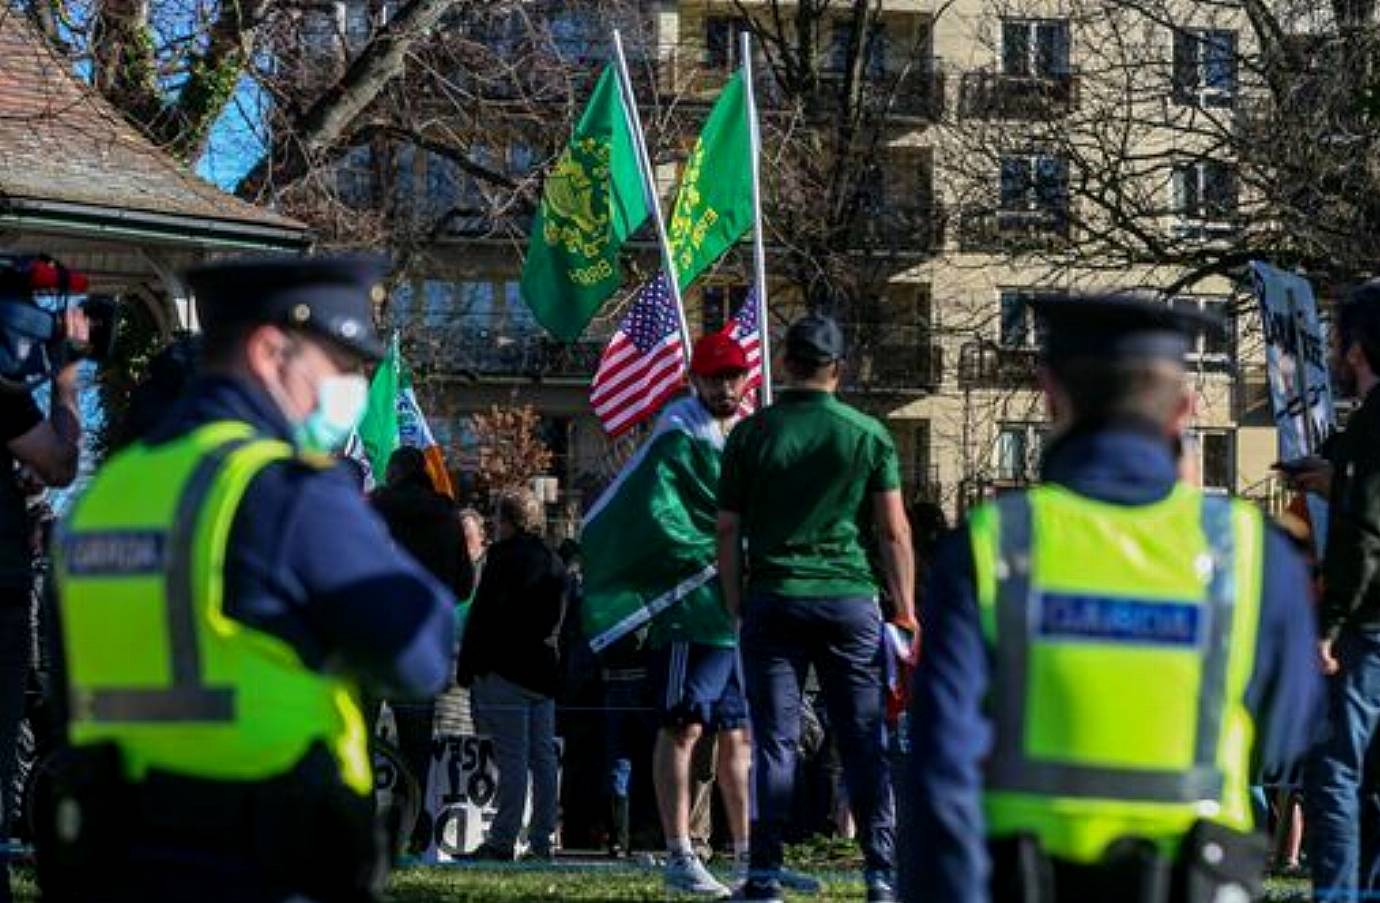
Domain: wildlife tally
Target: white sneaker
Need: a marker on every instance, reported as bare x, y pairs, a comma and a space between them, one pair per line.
685, 874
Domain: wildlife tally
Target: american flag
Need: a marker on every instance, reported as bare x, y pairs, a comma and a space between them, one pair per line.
644, 363
745, 328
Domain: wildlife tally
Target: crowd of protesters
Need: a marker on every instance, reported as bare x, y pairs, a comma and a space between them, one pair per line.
810, 489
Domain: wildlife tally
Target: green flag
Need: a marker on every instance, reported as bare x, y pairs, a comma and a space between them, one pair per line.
378, 430
714, 207
665, 498
592, 201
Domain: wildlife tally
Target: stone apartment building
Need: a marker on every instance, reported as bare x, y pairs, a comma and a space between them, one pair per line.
976, 206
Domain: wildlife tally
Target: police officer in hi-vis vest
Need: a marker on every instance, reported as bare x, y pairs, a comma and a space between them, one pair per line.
224, 594
1110, 656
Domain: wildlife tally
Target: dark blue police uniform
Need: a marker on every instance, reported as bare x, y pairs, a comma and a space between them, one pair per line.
309, 562
312, 563
1123, 463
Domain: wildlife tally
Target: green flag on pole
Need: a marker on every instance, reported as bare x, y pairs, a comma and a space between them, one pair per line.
648, 541
591, 202
378, 430
714, 207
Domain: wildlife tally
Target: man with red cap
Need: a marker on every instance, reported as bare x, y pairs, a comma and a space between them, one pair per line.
666, 497
695, 672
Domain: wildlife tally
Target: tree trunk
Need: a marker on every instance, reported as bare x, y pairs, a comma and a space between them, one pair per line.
297, 146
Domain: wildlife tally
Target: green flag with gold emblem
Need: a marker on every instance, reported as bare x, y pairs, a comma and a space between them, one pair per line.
714, 207
591, 202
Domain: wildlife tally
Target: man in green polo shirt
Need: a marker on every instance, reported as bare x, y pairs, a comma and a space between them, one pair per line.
797, 476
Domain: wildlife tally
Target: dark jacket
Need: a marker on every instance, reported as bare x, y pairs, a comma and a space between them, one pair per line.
424, 522
1352, 565
941, 830
516, 617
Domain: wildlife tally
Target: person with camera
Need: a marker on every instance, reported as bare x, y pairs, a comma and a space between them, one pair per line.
36, 345
1111, 655
218, 602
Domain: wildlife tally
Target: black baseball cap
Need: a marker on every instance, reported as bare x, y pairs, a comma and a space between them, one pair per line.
1119, 327
814, 339
330, 296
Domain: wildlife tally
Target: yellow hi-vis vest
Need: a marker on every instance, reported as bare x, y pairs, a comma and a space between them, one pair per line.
153, 663
1123, 639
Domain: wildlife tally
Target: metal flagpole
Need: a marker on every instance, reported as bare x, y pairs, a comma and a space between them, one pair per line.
759, 252
649, 184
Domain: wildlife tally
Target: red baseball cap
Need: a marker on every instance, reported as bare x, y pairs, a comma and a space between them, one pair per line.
717, 353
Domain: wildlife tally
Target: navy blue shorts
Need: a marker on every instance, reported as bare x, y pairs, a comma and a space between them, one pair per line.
698, 684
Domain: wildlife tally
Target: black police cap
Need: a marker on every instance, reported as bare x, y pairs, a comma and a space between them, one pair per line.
1119, 327
332, 297
814, 339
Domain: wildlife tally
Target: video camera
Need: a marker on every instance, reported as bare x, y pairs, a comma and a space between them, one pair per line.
35, 294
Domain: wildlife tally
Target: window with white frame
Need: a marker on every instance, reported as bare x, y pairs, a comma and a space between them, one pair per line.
1205, 67
1035, 48
1213, 348
1034, 186
1019, 327
1205, 197
1214, 452
1019, 446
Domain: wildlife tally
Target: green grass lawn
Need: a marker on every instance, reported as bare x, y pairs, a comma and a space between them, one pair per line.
832, 861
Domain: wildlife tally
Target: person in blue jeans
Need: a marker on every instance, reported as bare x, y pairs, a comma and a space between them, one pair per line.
510, 660
1339, 788
795, 476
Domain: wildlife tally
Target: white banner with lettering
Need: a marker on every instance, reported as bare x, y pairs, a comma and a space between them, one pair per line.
1296, 352
461, 794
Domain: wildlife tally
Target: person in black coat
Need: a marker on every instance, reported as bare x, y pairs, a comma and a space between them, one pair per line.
510, 658
422, 521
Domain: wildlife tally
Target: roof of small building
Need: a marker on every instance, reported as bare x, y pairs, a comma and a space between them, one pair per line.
68, 157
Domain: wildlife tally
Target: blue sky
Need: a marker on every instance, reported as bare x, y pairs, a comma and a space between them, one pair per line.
237, 140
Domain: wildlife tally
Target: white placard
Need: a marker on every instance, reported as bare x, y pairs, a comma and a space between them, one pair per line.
1296, 352
461, 797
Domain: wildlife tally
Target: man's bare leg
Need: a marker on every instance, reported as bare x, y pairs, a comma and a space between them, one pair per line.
671, 774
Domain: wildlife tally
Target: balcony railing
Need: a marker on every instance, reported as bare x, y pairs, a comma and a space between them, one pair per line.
993, 95
916, 228
890, 366
987, 365
918, 94
986, 229
481, 353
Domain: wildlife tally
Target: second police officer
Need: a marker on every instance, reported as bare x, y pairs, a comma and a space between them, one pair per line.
224, 596
1110, 655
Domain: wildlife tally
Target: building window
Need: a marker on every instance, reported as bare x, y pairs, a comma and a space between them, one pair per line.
1019, 446
721, 41
1205, 198
1205, 67
355, 177
1214, 349
1215, 451
1035, 186
1019, 327
841, 42
717, 304
924, 475
1035, 48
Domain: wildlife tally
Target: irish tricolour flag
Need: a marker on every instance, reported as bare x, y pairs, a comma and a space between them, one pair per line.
394, 419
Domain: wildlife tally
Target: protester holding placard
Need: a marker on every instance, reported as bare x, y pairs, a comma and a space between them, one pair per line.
1349, 618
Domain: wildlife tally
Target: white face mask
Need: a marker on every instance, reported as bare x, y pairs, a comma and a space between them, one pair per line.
340, 404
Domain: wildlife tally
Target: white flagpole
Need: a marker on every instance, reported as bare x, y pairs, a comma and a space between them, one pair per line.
759, 252
649, 184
